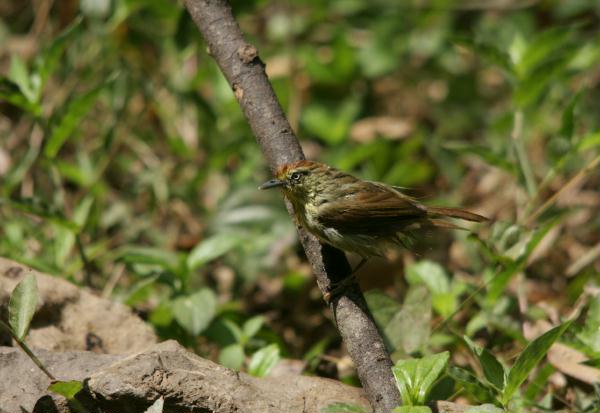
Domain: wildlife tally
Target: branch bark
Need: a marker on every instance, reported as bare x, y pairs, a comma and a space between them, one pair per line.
245, 73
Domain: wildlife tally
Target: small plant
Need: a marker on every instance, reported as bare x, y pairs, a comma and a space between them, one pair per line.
21, 308
502, 383
234, 355
415, 378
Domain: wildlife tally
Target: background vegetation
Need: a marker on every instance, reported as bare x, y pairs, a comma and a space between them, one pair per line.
126, 166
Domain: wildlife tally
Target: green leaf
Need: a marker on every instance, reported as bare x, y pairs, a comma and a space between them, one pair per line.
49, 59
343, 407
253, 325
330, 122
492, 369
409, 329
232, 356
19, 74
588, 141
415, 377
166, 260
412, 409
67, 389
65, 238
75, 111
529, 358
542, 47
531, 88
38, 207
487, 52
435, 278
157, 406
484, 152
500, 281
472, 384
588, 334
264, 360
431, 274
235, 331
211, 248
382, 306
195, 312
21, 307
10, 92
567, 124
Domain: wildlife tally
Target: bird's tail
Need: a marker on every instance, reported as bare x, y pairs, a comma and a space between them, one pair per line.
455, 213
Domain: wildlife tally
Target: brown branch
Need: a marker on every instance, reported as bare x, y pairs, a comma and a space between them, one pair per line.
245, 73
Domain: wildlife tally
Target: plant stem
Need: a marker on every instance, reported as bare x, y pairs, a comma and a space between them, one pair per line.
27, 351
582, 173
517, 137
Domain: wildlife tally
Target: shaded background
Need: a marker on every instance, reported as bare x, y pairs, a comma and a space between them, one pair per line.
126, 166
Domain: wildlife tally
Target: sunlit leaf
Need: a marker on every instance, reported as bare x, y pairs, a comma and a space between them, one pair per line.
232, 356
19, 74
500, 280
588, 334
543, 46
415, 377
263, 361
167, 260
530, 358
253, 325
484, 152
75, 111
492, 369
409, 328
567, 124
22, 304
211, 248
38, 207
49, 59
195, 312
330, 123
68, 389
488, 52
472, 384
431, 274
10, 92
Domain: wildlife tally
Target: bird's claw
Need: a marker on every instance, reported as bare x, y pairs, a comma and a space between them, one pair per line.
339, 288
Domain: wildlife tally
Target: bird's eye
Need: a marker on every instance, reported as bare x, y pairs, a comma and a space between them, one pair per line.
295, 177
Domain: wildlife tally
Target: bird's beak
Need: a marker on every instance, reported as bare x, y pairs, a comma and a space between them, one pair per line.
272, 184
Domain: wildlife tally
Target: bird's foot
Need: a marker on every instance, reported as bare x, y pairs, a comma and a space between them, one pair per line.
339, 288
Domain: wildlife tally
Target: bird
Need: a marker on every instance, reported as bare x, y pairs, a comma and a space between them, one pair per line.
357, 216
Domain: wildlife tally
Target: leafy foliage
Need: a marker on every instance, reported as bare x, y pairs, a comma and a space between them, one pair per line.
415, 377
127, 166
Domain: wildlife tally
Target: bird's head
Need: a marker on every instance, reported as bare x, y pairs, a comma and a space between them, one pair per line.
299, 180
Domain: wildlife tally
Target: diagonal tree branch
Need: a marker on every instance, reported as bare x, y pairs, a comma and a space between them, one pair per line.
245, 72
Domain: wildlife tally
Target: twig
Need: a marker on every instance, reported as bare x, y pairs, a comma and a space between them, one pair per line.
245, 73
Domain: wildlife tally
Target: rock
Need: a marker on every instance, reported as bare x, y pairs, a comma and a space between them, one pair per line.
71, 318
186, 381
24, 386
190, 383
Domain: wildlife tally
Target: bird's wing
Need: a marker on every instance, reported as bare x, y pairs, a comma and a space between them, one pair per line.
376, 210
